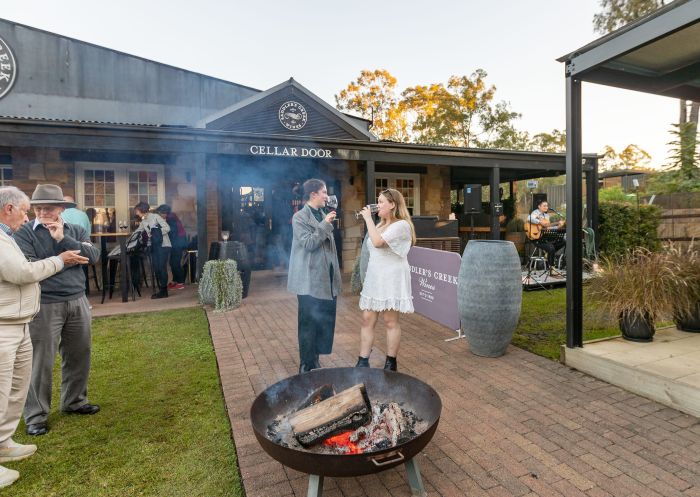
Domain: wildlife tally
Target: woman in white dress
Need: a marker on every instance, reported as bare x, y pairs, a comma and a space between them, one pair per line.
387, 285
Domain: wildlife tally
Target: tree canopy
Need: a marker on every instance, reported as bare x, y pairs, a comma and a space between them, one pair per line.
617, 13
462, 112
631, 157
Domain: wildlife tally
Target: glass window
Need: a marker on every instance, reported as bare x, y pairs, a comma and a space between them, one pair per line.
408, 185
5, 175
99, 207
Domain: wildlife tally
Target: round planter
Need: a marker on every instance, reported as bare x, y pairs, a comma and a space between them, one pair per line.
489, 295
636, 327
689, 323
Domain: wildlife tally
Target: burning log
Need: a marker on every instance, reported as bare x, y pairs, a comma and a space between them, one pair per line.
321, 393
347, 410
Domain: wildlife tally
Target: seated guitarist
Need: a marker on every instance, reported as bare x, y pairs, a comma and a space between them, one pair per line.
540, 216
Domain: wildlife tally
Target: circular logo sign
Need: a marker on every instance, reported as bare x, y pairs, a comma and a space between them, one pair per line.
8, 68
292, 115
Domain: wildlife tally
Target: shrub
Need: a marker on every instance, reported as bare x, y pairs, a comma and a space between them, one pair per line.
615, 194
623, 228
640, 283
221, 285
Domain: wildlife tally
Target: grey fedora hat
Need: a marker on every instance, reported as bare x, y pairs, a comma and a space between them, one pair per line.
49, 194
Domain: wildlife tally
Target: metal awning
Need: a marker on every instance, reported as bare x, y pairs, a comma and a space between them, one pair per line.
658, 54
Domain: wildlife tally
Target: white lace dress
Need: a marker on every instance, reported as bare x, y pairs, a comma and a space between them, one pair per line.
387, 285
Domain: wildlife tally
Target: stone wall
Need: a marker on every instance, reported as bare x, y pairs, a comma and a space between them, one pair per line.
435, 192
31, 166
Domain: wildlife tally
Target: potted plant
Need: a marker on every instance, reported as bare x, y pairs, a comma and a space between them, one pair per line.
686, 310
636, 288
221, 285
515, 232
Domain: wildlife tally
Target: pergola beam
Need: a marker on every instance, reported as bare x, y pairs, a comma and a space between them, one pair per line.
632, 38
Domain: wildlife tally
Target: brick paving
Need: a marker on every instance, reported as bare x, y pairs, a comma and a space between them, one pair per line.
518, 425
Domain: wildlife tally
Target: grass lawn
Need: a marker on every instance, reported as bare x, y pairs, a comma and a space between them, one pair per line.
163, 429
542, 326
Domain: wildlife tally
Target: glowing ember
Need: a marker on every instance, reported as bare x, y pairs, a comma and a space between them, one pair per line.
342, 443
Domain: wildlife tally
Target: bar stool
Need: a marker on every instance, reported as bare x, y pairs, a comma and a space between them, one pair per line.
538, 260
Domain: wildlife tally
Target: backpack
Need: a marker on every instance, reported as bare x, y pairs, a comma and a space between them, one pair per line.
156, 237
137, 243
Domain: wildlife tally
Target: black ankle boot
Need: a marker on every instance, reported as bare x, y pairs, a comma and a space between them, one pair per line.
362, 362
390, 363
162, 293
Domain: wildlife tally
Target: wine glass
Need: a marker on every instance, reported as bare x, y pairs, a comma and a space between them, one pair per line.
225, 235
332, 202
373, 208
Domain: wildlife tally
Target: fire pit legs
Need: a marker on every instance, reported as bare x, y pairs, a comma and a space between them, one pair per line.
315, 486
414, 481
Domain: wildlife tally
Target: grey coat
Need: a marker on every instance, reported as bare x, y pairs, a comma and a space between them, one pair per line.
313, 252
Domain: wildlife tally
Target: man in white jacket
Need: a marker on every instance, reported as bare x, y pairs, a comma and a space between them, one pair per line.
19, 303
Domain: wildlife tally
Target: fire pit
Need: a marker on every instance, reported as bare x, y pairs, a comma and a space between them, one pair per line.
285, 397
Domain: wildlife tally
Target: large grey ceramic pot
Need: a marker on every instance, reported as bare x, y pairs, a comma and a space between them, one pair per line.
489, 295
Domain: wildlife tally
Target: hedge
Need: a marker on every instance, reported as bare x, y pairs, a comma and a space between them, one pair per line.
622, 227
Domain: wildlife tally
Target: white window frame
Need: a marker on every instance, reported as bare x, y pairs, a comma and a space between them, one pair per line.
121, 183
391, 180
3, 181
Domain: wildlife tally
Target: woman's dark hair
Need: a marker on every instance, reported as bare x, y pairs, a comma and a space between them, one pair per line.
312, 185
163, 209
142, 207
542, 201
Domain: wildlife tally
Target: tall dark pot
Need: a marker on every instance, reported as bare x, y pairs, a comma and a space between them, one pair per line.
489, 295
239, 253
689, 322
637, 327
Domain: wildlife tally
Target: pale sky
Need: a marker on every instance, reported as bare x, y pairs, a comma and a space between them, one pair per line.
324, 44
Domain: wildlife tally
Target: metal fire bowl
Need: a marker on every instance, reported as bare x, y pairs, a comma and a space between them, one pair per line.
384, 386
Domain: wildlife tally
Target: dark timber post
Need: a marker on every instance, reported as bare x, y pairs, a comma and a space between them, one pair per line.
200, 166
592, 202
370, 194
574, 262
494, 183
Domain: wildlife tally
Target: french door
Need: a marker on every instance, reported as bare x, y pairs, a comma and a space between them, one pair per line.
108, 192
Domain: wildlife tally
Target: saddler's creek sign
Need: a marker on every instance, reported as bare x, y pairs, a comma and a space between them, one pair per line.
8, 68
281, 151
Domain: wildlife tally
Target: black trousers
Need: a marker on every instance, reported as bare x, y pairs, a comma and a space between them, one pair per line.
159, 259
316, 327
175, 264
551, 248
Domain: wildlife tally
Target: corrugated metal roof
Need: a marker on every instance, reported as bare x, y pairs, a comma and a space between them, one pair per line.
79, 121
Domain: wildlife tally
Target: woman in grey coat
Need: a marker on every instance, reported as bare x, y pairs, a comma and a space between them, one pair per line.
314, 275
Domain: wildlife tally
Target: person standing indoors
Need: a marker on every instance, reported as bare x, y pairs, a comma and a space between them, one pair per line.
178, 242
387, 285
64, 317
314, 275
19, 302
159, 241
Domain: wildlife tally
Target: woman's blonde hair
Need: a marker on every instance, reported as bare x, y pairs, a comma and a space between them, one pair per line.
400, 210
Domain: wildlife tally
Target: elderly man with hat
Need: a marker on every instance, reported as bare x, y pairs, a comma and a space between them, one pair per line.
19, 302
64, 317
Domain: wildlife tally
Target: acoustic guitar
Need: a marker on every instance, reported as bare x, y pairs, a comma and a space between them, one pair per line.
535, 231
